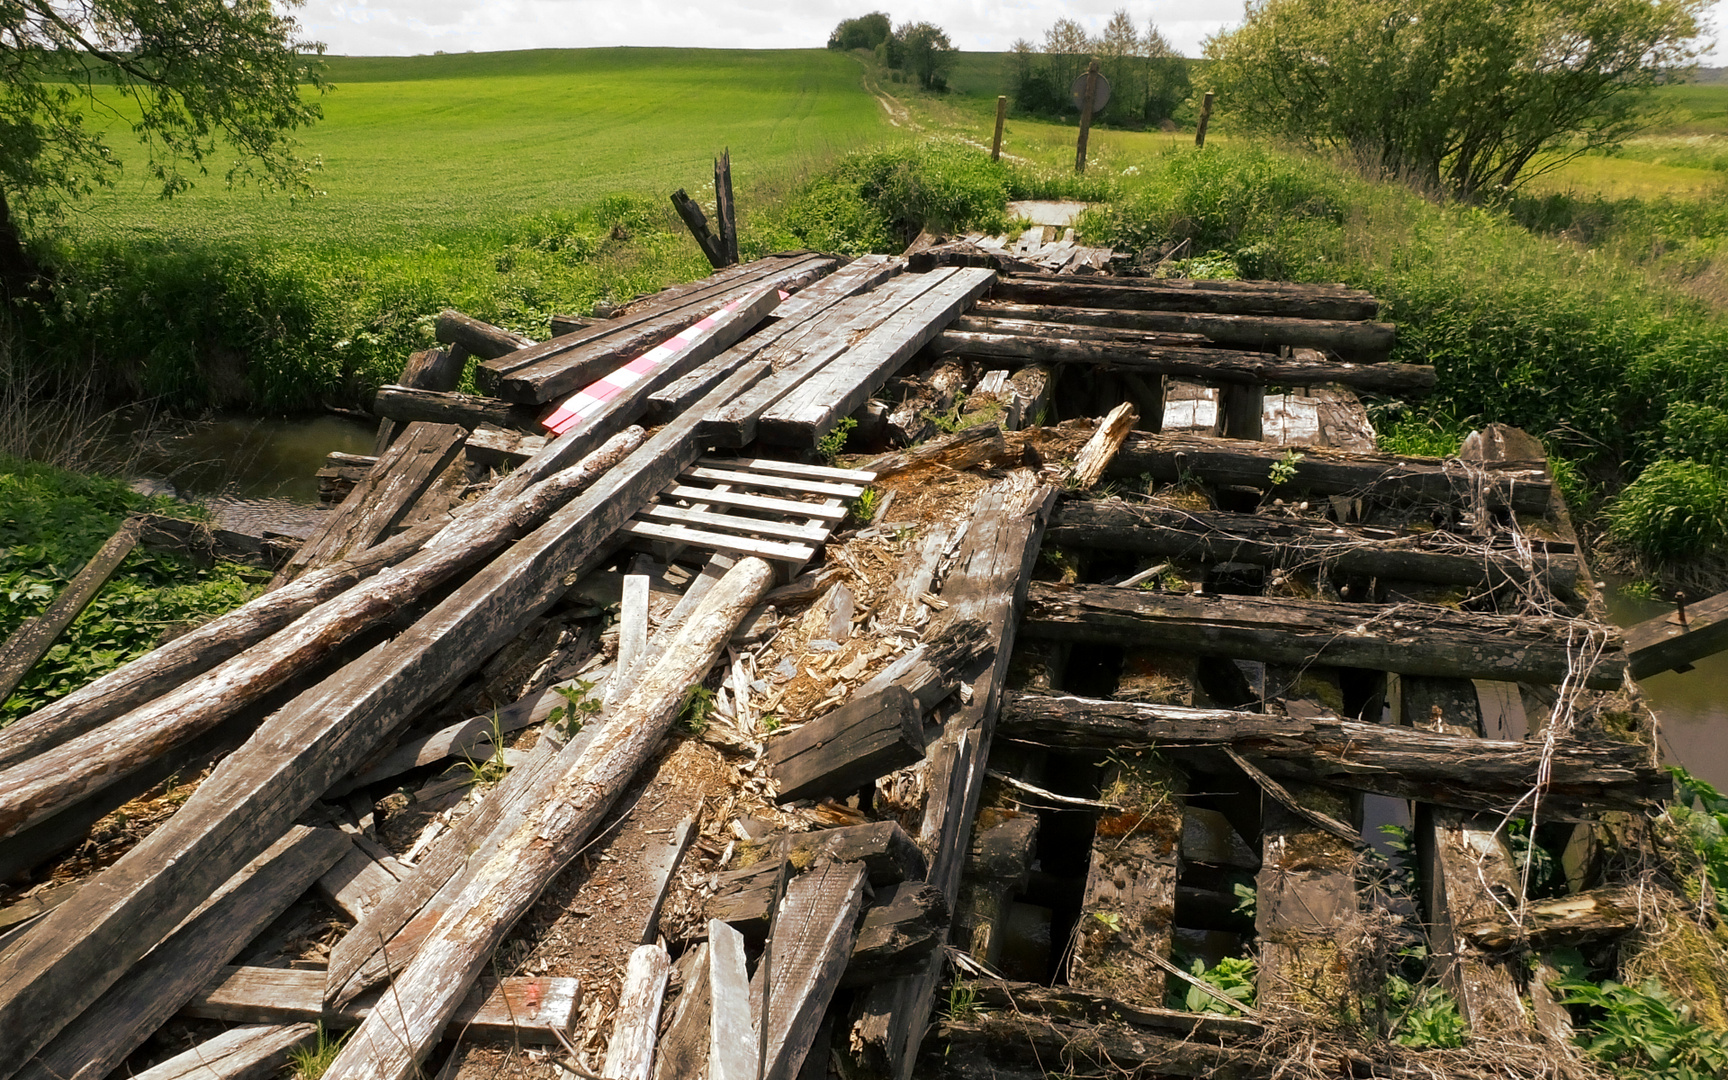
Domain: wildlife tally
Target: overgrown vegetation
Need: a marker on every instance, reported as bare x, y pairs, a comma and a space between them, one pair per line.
51, 523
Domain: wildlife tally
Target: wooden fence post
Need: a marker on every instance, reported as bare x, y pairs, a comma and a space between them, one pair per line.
1086, 97
1205, 118
1001, 115
724, 208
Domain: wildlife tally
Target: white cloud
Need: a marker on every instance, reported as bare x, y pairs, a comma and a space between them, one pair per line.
408, 27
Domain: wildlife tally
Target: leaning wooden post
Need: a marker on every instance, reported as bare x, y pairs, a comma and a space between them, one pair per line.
1205, 118
697, 222
724, 208
1086, 96
1001, 115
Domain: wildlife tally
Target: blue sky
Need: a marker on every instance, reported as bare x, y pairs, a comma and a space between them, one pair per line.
406, 27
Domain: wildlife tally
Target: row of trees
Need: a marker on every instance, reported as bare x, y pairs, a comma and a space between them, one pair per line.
1148, 78
921, 49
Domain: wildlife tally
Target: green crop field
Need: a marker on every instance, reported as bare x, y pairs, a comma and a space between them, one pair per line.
420, 148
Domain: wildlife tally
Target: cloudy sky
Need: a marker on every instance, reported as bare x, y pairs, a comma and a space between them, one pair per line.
405, 27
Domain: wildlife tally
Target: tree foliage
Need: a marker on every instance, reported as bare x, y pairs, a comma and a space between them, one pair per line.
864, 32
1148, 79
1464, 95
187, 78
927, 53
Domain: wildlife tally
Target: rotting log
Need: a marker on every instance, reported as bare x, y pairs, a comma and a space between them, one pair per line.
484, 340
1291, 543
406, 404
987, 584
636, 1022
810, 411
194, 653
566, 371
252, 1052
1324, 471
77, 950
1283, 300
529, 1009
379, 502
1411, 639
32, 640
1210, 364
813, 942
404, 1028
840, 752
1559, 922
1361, 342
982, 321
148, 994
958, 451
1011, 1040
32, 790
1399, 762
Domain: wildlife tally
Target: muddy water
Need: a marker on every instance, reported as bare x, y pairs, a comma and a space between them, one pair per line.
1692, 707
244, 457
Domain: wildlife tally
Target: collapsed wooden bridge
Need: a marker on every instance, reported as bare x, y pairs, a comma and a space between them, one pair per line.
1015, 704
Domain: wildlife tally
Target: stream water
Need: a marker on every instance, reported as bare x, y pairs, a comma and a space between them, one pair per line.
1692, 706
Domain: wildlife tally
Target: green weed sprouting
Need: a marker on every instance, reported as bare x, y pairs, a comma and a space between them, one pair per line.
828, 447
569, 718
962, 1000
491, 769
1233, 976
1283, 470
312, 1062
698, 706
1641, 1031
1427, 1017
864, 507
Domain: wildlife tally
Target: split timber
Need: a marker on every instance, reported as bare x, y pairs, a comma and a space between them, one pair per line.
1140, 664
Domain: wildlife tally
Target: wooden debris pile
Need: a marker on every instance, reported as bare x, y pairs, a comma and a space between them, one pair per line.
611, 726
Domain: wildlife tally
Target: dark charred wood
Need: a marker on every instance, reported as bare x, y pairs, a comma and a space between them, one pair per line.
480, 338
839, 753
446, 407
1360, 342
903, 925
1285, 301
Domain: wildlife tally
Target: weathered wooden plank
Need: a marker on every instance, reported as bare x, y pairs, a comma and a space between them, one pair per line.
379, 502
429, 369
903, 926
744, 526
395, 1037
1009, 1040
1665, 642
837, 754
1101, 448
1324, 471
840, 388
683, 835
732, 1043
844, 477
764, 503
860, 275
983, 320
356, 884
1072, 1003
480, 338
813, 941
1223, 298
490, 444
1558, 922
133, 1008
1210, 364
531, 1009
800, 355
797, 554
78, 949
33, 790
194, 653
568, 370
636, 1021
771, 482
1215, 537
406, 404
1362, 342
1412, 639
254, 1052
683, 1050
1417, 763
32, 640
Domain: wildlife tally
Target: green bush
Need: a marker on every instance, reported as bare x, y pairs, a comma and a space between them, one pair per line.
51, 523
879, 200
1674, 510
1697, 432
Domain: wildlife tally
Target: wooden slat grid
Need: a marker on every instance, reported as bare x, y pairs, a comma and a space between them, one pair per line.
781, 511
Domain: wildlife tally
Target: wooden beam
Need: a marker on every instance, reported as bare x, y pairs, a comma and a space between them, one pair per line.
1399, 762
253, 1052
998, 865
683, 1049
1100, 449
529, 1009
697, 222
1359, 342
429, 369
1210, 364
904, 925
837, 754
817, 923
32, 640
1665, 642
724, 208
636, 1021
743, 893
683, 835
860, 275
1558, 922
407, 404
1218, 297
490, 444
78, 949
732, 1045
480, 338
1010, 1040
1324, 471
1412, 639
1214, 537
148, 994
380, 501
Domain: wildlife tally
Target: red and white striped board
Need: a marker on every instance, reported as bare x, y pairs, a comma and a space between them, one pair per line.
583, 404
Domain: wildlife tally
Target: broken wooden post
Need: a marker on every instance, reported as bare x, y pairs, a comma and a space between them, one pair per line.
998, 864
683, 834
1205, 118
398, 1034
819, 917
480, 338
636, 1022
697, 222
1001, 116
429, 369
725, 210
684, 1048
868, 737
1088, 94
1100, 449
31, 641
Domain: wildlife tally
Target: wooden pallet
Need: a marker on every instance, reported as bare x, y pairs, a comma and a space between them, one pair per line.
777, 510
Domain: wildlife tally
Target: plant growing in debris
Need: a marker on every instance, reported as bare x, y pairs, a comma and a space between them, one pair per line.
864, 507
1699, 815
962, 1000
1641, 1031
698, 705
1233, 976
828, 447
1427, 1015
489, 770
311, 1062
569, 718
769, 722
1247, 897
1284, 469
1112, 920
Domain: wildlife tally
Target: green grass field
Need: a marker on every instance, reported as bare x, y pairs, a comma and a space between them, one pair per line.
421, 149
